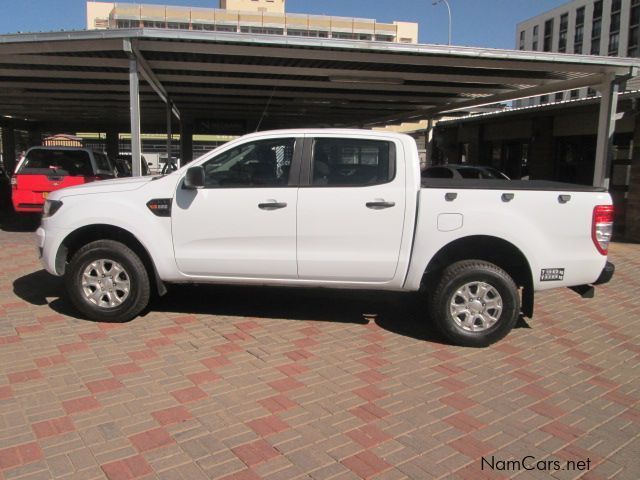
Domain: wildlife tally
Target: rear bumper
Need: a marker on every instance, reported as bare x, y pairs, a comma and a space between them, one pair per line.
606, 275
587, 291
27, 201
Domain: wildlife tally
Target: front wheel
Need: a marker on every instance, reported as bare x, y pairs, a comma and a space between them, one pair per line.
475, 304
107, 281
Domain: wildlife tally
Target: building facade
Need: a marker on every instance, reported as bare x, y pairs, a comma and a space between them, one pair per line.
246, 16
585, 27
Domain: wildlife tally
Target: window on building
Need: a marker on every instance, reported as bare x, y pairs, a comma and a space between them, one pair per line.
544, 99
614, 28
633, 49
614, 40
562, 34
591, 92
559, 96
521, 44
127, 24
384, 38
153, 24
596, 27
579, 35
574, 94
534, 44
548, 35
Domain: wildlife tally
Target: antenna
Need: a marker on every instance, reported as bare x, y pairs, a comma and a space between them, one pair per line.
266, 107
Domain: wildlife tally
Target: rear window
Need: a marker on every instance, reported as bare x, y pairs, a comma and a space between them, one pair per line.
57, 162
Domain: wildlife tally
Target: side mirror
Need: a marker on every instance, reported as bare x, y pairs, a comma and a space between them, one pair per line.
194, 178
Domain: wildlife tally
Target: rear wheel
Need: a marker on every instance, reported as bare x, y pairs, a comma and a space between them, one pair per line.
107, 281
475, 304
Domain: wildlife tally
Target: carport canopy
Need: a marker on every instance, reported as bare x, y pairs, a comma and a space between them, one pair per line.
133, 79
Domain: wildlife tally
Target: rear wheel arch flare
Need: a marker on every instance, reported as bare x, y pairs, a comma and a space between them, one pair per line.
491, 249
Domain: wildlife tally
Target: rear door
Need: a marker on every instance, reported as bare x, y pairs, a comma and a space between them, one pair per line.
351, 211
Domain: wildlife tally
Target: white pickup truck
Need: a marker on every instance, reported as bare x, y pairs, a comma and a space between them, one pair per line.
329, 208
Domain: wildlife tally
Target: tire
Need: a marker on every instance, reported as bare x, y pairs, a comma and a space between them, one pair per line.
480, 293
124, 281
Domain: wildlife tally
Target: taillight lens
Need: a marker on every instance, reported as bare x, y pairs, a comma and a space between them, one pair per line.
602, 227
14, 183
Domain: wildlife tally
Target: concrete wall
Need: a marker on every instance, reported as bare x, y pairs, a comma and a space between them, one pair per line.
98, 14
275, 6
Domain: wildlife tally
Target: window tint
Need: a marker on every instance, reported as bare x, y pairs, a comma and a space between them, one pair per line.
264, 163
57, 162
352, 162
470, 173
437, 172
102, 162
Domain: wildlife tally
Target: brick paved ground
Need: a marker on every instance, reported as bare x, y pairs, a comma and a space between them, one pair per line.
244, 383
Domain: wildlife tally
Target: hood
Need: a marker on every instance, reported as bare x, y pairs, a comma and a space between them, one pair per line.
103, 186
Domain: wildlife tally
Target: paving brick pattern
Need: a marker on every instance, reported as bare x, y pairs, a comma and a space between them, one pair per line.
245, 383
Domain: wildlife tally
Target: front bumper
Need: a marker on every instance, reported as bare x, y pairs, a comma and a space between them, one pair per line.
606, 275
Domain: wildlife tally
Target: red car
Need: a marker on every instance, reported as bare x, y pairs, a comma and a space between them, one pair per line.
45, 169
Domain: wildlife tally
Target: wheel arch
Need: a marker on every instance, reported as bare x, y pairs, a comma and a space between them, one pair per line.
89, 233
496, 250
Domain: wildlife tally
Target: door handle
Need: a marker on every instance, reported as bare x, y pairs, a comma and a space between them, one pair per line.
380, 204
271, 205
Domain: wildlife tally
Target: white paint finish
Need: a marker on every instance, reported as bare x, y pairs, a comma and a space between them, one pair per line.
448, 222
340, 239
221, 236
221, 232
549, 234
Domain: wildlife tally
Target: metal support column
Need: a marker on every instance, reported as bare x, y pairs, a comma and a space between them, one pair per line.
134, 104
186, 141
428, 145
606, 129
169, 113
8, 148
112, 146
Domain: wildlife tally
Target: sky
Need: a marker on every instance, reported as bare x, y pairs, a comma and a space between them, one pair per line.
483, 23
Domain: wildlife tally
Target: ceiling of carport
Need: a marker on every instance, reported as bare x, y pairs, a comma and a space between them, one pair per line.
80, 80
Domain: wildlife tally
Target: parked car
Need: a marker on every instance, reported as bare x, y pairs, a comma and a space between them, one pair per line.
464, 171
43, 170
329, 208
123, 166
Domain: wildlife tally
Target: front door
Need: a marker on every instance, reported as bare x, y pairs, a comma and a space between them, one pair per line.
351, 215
243, 222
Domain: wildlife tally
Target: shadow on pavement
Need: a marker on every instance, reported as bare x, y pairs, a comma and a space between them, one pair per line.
13, 222
399, 313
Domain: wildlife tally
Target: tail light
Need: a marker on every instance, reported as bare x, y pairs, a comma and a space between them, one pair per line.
602, 227
14, 183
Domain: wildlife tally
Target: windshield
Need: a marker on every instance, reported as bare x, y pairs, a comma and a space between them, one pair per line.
57, 162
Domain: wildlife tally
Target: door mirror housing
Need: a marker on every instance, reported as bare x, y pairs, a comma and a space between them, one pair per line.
194, 178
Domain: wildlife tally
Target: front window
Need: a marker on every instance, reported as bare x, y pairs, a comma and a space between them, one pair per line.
264, 163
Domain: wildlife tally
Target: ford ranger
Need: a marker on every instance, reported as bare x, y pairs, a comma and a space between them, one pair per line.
329, 208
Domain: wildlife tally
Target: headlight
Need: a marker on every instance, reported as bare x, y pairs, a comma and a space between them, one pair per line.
50, 208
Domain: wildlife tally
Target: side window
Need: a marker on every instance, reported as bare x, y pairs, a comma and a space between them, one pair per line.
102, 162
264, 163
352, 162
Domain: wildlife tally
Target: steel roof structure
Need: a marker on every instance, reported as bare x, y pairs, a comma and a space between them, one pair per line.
241, 82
